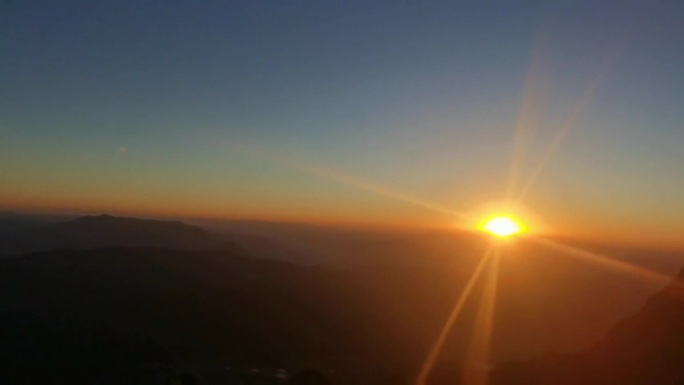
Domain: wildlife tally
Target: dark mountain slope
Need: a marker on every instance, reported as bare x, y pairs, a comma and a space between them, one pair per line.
12, 222
646, 348
106, 230
120, 307
108, 309
113, 308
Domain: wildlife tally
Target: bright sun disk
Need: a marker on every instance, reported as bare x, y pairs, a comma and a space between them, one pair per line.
502, 226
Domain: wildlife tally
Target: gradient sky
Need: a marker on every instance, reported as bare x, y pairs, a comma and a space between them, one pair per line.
222, 109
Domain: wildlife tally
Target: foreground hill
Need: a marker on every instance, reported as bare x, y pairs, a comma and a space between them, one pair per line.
103, 312
114, 309
105, 230
645, 348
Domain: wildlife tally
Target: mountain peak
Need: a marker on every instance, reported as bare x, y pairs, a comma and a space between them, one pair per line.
108, 218
107, 230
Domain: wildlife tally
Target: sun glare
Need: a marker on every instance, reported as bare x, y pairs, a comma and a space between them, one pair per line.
502, 226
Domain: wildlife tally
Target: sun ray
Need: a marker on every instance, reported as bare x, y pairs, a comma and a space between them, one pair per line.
569, 124
606, 261
431, 360
346, 179
377, 189
476, 368
527, 121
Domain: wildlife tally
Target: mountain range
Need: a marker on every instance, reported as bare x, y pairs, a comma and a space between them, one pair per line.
109, 293
105, 230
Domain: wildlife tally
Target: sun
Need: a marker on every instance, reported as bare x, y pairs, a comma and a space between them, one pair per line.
502, 226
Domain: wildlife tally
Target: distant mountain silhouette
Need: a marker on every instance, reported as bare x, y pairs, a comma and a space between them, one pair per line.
106, 230
645, 348
12, 222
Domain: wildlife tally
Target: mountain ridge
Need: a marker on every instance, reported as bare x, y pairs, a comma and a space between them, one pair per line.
88, 232
646, 347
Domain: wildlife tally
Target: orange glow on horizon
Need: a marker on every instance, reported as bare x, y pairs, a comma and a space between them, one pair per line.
164, 206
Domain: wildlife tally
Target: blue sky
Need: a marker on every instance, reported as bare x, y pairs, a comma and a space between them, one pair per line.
129, 105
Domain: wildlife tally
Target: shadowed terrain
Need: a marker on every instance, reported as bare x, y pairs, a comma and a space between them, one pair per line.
374, 309
644, 348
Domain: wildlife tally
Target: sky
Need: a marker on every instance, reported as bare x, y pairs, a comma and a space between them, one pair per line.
364, 112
